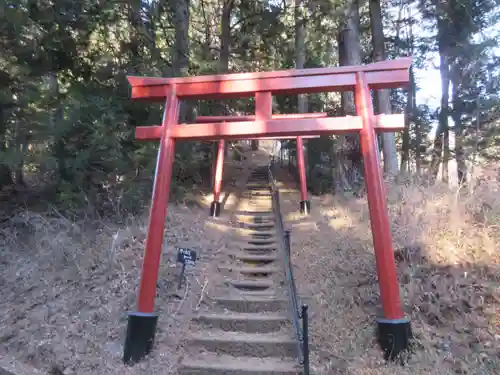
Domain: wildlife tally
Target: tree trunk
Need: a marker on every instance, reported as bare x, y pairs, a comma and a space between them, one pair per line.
382, 97
410, 119
21, 142
418, 132
225, 36
456, 114
446, 154
405, 152
443, 117
300, 47
180, 58
348, 153
300, 59
59, 151
444, 70
5, 172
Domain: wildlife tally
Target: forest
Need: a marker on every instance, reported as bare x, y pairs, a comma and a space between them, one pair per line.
67, 123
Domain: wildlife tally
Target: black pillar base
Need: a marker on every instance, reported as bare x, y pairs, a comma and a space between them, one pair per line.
394, 337
140, 336
305, 207
215, 209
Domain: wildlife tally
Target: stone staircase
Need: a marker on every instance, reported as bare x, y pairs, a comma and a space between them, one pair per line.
247, 330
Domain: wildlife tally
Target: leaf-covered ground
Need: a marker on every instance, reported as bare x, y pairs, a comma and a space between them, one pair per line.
448, 269
66, 288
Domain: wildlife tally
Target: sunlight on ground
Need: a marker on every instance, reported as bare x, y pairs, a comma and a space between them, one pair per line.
448, 267
218, 226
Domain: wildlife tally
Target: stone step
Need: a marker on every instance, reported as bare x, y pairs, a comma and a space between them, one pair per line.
264, 271
269, 215
254, 200
265, 220
257, 202
275, 292
264, 195
258, 262
243, 344
243, 322
251, 233
257, 243
257, 258
214, 364
259, 206
258, 188
258, 197
250, 304
252, 285
254, 203
254, 241
259, 248
261, 235
257, 227
262, 242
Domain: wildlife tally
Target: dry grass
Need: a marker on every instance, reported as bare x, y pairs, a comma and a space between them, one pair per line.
449, 276
66, 288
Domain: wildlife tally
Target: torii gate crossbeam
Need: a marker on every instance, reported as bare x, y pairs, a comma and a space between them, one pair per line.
394, 331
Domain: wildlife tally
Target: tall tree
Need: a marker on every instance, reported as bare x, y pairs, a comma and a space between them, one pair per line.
179, 9
348, 155
300, 46
382, 102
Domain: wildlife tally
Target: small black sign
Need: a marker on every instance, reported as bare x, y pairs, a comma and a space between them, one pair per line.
186, 256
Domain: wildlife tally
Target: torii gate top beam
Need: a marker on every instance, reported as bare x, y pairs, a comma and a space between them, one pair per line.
379, 75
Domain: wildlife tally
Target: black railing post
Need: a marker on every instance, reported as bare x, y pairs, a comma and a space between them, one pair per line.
305, 338
287, 240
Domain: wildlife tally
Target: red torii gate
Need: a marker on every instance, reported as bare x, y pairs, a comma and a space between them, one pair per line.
305, 205
394, 331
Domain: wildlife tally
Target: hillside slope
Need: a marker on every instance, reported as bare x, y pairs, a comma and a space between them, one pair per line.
449, 271
66, 286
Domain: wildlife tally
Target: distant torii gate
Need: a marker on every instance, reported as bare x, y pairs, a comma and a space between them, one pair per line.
305, 205
394, 331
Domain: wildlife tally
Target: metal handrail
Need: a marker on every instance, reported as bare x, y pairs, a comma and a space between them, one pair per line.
301, 332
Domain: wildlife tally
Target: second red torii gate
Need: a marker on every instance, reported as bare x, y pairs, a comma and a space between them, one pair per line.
394, 331
305, 205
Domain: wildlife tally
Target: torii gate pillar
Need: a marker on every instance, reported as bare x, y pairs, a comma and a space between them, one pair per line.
142, 324
219, 168
305, 205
